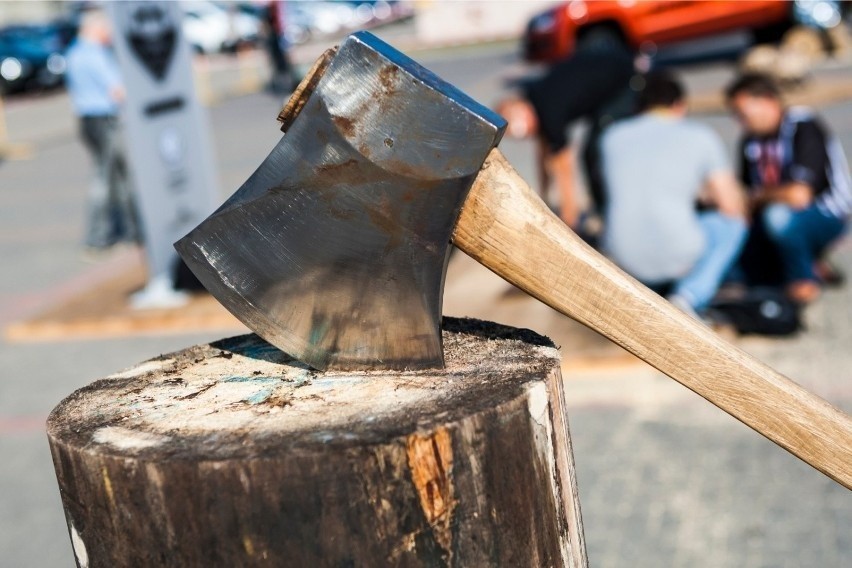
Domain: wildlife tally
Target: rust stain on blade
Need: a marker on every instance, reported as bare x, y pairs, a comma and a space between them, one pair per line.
345, 125
388, 78
430, 459
336, 168
384, 221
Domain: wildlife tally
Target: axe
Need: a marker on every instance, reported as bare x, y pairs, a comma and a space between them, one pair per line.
335, 250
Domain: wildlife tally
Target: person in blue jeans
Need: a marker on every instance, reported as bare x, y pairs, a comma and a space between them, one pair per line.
675, 216
799, 187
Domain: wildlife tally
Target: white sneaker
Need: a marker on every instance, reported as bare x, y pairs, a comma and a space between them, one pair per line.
159, 293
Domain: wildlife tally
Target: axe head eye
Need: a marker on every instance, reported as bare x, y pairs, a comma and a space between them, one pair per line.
335, 249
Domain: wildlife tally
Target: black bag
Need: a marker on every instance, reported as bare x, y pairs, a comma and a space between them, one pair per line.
762, 311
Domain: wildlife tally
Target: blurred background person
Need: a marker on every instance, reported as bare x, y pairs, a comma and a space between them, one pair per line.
800, 191
657, 167
96, 92
282, 80
592, 84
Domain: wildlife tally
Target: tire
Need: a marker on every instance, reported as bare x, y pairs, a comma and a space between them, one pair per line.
601, 37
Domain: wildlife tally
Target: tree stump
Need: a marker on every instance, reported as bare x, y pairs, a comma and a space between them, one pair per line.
233, 454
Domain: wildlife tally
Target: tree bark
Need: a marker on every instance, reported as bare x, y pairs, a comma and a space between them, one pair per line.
233, 454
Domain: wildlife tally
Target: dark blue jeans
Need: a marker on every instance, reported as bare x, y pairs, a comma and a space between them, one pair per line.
784, 243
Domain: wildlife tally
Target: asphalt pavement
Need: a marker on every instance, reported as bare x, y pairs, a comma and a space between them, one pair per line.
665, 478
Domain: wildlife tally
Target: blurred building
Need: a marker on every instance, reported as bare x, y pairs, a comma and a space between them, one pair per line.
18, 11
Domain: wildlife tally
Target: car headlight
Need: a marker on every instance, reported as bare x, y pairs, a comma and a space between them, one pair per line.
11, 69
577, 10
543, 23
823, 14
56, 64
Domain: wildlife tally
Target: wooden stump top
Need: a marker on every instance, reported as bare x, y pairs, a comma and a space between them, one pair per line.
233, 454
241, 397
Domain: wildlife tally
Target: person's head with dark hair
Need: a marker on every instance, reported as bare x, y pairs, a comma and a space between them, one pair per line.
755, 100
662, 91
754, 84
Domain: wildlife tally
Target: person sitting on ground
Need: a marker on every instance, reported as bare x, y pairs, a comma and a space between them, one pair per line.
799, 188
659, 167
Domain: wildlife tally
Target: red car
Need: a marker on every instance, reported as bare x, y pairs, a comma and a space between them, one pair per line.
554, 34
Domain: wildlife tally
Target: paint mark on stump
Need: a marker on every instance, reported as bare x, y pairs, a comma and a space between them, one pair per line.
248, 545
79, 548
538, 402
430, 459
256, 379
108, 486
144, 368
260, 396
127, 439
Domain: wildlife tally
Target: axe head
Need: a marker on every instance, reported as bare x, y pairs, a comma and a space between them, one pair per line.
336, 248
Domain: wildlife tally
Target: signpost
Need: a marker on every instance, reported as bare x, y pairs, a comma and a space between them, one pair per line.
167, 138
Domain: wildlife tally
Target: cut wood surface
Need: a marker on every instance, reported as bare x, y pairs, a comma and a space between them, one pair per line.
233, 454
507, 228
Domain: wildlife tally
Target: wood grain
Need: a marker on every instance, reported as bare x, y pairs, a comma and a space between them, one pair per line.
303, 90
233, 454
506, 227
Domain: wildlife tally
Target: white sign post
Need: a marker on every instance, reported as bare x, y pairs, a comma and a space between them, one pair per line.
167, 138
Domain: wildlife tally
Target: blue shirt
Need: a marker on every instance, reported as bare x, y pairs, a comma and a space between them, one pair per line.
92, 73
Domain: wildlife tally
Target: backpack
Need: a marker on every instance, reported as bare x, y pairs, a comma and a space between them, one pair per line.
761, 311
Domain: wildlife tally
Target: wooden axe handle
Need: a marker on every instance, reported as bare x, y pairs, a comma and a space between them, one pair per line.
506, 227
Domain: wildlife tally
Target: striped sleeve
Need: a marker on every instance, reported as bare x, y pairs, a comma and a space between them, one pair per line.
818, 161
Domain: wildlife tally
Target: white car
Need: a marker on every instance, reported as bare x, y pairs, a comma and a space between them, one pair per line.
210, 28
328, 18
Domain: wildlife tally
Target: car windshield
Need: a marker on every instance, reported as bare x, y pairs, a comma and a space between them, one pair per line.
31, 37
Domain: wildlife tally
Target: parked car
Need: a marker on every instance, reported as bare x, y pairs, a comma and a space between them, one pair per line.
298, 24
555, 33
321, 18
31, 57
210, 27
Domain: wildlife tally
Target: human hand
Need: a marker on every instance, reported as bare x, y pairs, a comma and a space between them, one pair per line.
570, 216
521, 117
797, 195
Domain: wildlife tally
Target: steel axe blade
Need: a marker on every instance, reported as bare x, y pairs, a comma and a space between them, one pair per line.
335, 249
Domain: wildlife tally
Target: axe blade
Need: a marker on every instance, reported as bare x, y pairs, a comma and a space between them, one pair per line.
335, 250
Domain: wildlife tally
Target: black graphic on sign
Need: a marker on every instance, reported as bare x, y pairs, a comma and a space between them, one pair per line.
152, 36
